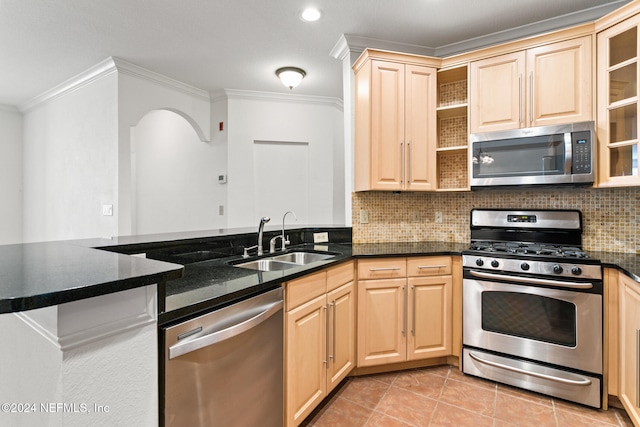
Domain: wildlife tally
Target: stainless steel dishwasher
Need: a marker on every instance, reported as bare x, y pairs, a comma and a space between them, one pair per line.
225, 368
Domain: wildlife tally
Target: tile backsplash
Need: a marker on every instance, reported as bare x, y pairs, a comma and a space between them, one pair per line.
611, 217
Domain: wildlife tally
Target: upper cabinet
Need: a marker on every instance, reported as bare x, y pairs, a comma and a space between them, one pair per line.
545, 85
395, 122
617, 63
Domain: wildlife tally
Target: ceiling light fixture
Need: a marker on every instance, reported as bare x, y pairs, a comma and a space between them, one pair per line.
310, 14
290, 76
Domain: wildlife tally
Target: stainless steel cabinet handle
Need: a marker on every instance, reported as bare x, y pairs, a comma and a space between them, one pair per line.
431, 266
531, 280
402, 162
219, 336
413, 317
385, 269
531, 99
404, 315
335, 322
326, 336
520, 99
582, 381
410, 180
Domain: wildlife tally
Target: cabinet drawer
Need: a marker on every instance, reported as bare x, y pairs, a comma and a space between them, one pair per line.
340, 275
382, 268
429, 266
305, 289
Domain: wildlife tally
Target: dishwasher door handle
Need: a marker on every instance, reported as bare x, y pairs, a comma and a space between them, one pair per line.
224, 334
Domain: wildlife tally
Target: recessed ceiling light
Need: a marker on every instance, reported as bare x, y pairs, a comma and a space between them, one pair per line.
310, 14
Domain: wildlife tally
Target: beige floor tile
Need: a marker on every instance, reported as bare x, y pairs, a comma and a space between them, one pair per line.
451, 416
365, 391
342, 413
382, 420
406, 406
423, 382
466, 395
523, 412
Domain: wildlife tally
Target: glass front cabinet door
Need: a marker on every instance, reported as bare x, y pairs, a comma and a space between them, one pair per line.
618, 104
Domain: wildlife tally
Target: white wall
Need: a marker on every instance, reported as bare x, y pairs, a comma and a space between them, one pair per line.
175, 177
70, 163
10, 175
283, 119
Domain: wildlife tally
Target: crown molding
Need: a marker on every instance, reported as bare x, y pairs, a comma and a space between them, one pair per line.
105, 68
98, 71
134, 70
278, 97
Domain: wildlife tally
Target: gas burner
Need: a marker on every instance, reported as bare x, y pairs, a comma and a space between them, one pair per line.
522, 248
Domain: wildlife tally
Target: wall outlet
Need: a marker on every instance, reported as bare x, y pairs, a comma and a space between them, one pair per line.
320, 237
416, 217
438, 218
364, 216
107, 210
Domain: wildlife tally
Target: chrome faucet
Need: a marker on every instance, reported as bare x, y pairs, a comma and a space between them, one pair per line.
285, 241
263, 221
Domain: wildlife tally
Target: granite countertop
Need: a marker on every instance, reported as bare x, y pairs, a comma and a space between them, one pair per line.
36, 275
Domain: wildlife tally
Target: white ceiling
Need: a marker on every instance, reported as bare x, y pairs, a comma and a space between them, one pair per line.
238, 44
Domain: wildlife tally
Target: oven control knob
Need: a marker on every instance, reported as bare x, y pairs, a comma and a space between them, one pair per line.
557, 269
495, 264
479, 262
524, 266
576, 270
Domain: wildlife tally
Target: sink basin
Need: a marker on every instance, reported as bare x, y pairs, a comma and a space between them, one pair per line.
267, 265
284, 261
301, 257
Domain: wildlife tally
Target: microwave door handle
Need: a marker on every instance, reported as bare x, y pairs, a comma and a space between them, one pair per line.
568, 153
532, 280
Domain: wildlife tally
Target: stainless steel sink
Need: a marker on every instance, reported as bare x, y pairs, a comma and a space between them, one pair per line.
267, 265
302, 257
284, 261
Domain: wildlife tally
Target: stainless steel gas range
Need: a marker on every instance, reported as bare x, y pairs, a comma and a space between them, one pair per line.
532, 304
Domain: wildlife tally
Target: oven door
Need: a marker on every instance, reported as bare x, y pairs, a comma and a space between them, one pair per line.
555, 326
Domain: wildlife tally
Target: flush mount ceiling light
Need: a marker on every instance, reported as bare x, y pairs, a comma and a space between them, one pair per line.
310, 14
290, 76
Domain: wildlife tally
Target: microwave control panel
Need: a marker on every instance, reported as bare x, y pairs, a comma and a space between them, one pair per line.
581, 155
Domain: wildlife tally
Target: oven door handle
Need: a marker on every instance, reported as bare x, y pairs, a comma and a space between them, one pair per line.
581, 382
532, 280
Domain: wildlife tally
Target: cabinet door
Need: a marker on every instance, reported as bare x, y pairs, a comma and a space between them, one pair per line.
381, 321
617, 65
496, 95
429, 314
305, 359
559, 83
630, 348
387, 125
342, 333
420, 128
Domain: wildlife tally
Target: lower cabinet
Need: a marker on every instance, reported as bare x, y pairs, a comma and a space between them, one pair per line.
404, 309
629, 347
320, 338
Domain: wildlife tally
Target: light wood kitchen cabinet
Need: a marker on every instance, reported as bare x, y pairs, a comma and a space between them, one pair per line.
404, 309
617, 65
395, 122
545, 85
629, 347
320, 337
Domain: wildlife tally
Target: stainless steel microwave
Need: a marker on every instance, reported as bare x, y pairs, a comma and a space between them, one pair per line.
558, 154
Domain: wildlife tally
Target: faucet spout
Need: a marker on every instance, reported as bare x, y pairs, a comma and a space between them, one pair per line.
263, 221
285, 241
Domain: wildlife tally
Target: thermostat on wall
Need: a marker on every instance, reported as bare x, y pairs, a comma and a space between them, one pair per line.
222, 179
